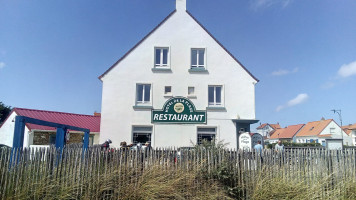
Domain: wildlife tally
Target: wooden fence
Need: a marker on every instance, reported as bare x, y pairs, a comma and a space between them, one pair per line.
73, 174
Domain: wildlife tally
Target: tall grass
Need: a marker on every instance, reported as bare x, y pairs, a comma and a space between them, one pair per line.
153, 183
201, 173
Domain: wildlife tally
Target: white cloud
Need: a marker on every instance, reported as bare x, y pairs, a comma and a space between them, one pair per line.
301, 98
282, 72
2, 65
347, 70
257, 4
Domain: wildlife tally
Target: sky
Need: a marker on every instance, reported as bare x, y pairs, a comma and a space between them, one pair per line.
303, 52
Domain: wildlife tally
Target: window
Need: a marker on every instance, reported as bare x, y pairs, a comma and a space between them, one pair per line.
198, 58
215, 95
143, 93
161, 56
91, 140
168, 90
191, 91
207, 134
141, 134
332, 130
52, 139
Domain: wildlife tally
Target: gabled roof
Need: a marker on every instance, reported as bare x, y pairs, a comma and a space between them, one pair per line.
83, 121
159, 25
136, 45
348, 129
276, 134
314, 128
222, 46
288, 132
261, 126
274, 126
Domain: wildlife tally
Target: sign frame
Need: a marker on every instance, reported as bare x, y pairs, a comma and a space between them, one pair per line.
170, 105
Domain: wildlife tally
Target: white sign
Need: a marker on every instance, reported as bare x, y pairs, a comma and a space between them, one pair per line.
255, 138
245, 141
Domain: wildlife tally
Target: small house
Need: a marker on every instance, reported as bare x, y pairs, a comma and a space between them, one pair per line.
37, 135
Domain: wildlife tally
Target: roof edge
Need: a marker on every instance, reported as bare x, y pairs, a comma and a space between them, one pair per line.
331, 120
222, 46
13, 110
54, 112
136, 45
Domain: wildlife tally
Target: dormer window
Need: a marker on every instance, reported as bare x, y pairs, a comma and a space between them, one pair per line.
161, 57
198, 56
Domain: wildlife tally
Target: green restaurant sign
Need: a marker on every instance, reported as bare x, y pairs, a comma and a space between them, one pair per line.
179, 110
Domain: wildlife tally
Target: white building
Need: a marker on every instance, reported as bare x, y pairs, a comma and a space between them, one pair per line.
266, 130
350, 130
178, 58
318, 131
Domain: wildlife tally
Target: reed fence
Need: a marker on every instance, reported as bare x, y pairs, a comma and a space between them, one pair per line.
196, 173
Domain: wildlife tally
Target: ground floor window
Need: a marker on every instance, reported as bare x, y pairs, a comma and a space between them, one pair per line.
141, 134
207, 134
91, 140
52, 139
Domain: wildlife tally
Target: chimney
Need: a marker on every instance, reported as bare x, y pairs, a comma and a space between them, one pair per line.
97, 114
181, 5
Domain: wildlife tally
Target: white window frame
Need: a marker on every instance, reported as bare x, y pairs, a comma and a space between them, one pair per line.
143, 102
160, 64
215, 104
133, 132
206, 133
333, 130
197, 66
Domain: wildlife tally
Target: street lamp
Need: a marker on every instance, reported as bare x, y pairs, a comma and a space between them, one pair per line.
339, 113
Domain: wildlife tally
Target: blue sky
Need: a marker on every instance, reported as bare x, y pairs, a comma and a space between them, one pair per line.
303, 52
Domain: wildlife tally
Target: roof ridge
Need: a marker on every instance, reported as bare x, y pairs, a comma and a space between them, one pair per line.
137, 44
321, 120
16, 108
296, 125
222, 46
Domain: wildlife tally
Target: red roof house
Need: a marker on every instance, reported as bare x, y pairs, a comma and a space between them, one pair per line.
287, 133
318, 131
266, 130
44, 135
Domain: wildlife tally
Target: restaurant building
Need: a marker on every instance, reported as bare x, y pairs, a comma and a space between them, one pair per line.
176, 87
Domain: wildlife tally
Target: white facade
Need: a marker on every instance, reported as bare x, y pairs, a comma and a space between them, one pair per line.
353, 137
265, 131
7, 132
180, 33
